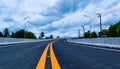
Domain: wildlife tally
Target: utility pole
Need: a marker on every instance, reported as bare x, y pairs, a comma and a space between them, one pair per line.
83, 30
90, 23
99, 15
78, 33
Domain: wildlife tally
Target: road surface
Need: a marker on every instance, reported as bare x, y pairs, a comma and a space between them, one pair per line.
68, 55
21, 56
74, 56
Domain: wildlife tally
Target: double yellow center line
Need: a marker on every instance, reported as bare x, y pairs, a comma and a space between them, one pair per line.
54, 61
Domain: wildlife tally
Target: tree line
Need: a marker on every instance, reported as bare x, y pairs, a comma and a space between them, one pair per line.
23, 34
112, 31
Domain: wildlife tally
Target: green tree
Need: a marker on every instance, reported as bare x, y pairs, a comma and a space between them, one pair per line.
94, 35
118, 30
113, 31
23, 33
51, 36
30, 35
6, 32
1, 35
19, 34
47, 37
58, 36
42, 34
87, 34
104, 33
13, 35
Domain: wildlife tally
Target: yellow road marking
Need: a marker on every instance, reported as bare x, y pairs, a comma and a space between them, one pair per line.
41, 63
54, 62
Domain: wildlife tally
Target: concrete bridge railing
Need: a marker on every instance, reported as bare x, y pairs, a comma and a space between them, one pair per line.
112, 42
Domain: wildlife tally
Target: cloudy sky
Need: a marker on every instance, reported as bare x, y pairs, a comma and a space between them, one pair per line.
57, 17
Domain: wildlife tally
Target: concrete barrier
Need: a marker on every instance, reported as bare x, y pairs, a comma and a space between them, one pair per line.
4, 41
111, 42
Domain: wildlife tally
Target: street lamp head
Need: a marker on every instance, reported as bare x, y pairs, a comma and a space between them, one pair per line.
86, 16
28, 21
98, 14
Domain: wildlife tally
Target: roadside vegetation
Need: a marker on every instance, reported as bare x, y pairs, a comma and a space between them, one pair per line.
23, 34
112, 31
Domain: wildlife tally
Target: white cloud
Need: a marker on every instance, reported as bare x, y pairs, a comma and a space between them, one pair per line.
22, 11
37, 6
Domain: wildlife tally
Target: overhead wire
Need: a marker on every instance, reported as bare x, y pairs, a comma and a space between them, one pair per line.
110, 12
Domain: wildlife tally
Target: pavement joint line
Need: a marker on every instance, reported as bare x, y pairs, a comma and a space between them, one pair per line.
94, 47
42, 61
54, 61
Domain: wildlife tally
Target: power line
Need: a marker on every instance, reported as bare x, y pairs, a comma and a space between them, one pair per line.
109, 12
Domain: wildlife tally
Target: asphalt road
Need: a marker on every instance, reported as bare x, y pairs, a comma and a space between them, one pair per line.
74, 56
69, 56
21, 56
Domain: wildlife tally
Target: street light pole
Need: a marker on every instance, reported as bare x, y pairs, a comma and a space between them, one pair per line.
25, 28
83, 30
90, 22
78, 33
99, 15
